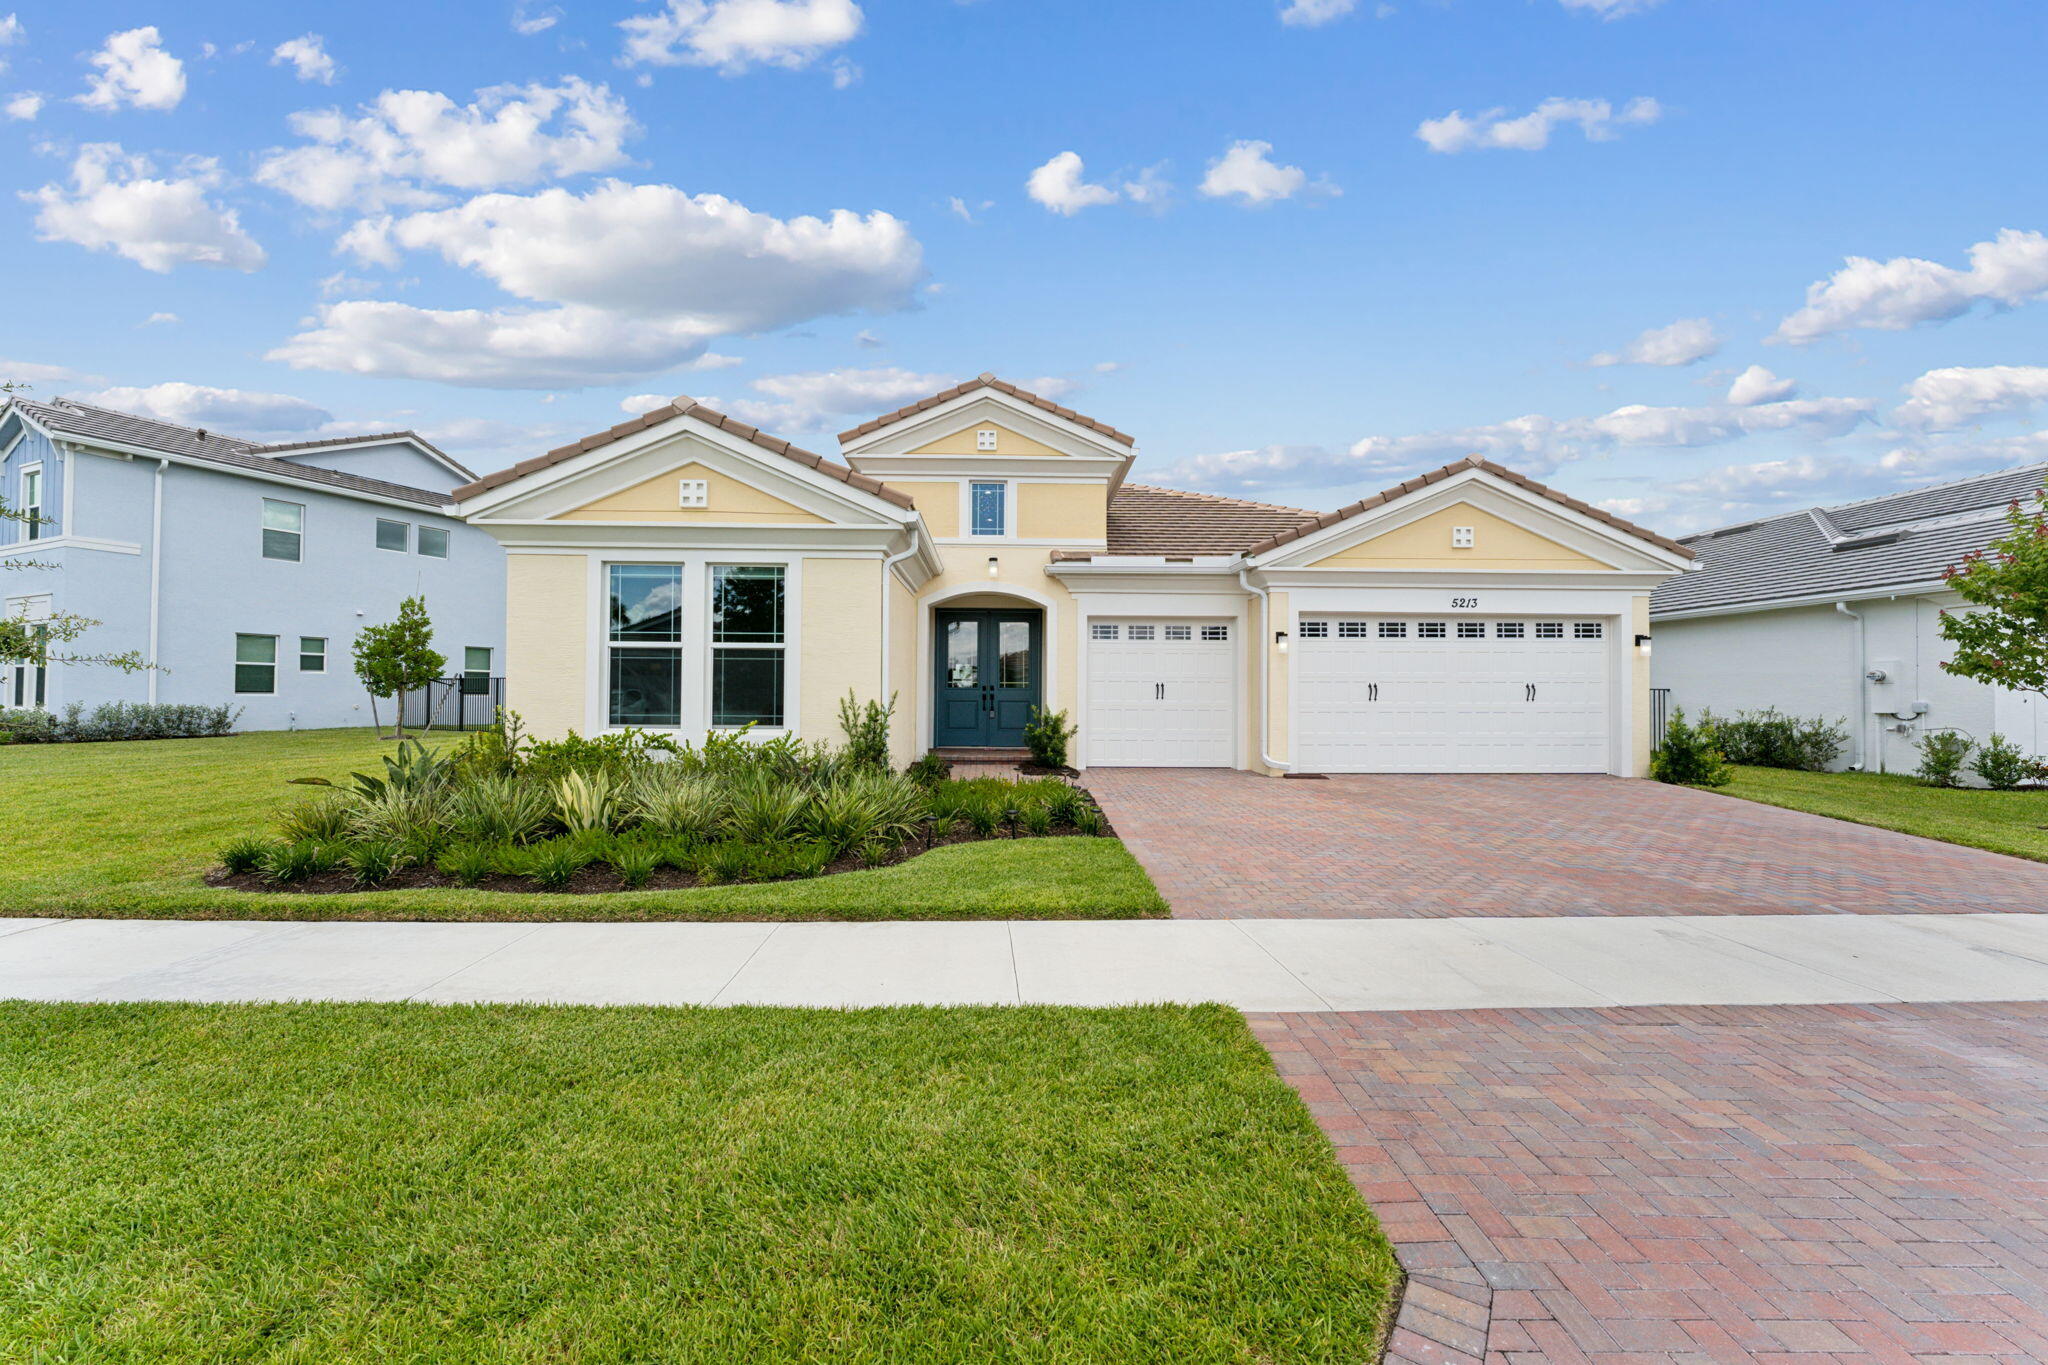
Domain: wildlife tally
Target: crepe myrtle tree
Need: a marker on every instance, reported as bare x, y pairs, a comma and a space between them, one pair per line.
2003, 638
398, 657
41, 643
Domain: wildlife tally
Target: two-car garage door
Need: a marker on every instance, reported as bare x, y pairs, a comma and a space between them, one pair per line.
1384, 694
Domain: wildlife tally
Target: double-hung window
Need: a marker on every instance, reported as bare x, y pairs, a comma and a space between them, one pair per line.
986, 506
645, 678
433, 542
394, 535
747, 644
256, 663
284, 530
32, 501
312, 654
476, 670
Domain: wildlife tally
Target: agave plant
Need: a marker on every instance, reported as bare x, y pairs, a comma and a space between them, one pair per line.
585, 801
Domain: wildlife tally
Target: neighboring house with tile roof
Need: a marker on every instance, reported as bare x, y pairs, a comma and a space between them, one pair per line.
979, 553
1834, 611
244, 570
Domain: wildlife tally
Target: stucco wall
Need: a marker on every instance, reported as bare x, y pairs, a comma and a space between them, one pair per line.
938, 502
1639, 683
839, 640
964, 442
391, 461
547, 641
1063, 511
730, 502
1498, 545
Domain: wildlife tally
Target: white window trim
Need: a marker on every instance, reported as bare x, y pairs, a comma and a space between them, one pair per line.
236, 664
35, 529
447, 541
325, 652
695, 714
261, 528
490, 660
380, 523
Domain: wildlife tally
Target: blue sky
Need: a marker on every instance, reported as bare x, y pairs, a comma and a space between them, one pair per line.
1300, 248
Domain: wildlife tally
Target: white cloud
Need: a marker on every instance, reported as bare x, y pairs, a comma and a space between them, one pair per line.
1758, 385
34, 372
1534, 444
1247, 172
117, 202
11, 31
636, 279
1150, 189
1609, 9
526, 21
405, 146
1942, 400
136, 71
307, 56
1681, 343
1315, 13
733, 35
24, 106
643, 402
158, 320
868, 340
1906, 291
1492, 128
1059, 185
238, 412
490, 442
818, 399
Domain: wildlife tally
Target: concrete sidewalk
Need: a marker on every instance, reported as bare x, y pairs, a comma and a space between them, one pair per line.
1266, 965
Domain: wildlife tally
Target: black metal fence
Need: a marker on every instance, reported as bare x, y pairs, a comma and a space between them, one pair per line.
1660, 712
464, 702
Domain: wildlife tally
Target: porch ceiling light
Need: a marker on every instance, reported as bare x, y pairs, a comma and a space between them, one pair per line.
994, 569
1643, 645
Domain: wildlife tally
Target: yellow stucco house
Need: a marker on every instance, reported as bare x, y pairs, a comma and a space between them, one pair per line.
979, 553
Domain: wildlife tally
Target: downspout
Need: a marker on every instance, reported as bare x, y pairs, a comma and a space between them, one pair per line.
888, 642
1265, 671
156, 566
1865, 722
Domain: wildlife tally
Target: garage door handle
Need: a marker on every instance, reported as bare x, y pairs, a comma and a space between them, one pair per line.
1159, 691
1372, 691
1529, 691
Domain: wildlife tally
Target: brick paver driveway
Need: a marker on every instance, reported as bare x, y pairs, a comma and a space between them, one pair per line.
1809, 1184
1228, 844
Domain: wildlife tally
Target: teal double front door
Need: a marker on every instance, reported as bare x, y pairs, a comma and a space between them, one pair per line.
989, 676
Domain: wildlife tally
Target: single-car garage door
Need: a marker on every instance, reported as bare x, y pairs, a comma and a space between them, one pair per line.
1161, 694
1402, 694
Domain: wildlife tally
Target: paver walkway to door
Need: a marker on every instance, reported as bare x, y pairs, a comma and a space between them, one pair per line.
1228, 845
1702, 1186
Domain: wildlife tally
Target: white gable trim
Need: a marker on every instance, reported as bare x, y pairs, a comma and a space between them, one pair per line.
1554, 521
987, 404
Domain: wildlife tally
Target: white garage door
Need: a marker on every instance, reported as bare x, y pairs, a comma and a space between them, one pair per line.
1161, 694
1392, 694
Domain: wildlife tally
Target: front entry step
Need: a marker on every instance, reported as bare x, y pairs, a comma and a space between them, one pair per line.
961, 754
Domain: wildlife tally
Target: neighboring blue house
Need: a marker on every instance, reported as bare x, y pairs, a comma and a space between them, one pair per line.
243, 570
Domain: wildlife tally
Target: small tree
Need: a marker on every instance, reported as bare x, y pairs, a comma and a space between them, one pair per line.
2004, 641
398, 657
41, 643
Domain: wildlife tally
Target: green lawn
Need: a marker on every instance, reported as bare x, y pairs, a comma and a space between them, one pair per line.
2004, 822
256, 1183
126, 829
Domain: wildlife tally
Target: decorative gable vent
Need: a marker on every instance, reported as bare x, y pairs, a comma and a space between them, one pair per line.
1462, 537
985, 439
693, 492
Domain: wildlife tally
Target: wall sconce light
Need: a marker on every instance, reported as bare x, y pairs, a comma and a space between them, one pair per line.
1643, 645
994, 569
1280, 641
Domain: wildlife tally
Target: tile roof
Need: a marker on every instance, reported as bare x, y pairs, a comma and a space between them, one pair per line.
369, 438
88, 423
1421, 481
1902, 540
683, 406
1144, 520
985, 381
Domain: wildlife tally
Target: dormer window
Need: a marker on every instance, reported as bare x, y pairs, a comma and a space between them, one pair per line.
985, 439
987, 505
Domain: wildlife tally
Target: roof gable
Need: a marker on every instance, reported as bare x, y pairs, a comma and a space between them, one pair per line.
1495, 543
983, 383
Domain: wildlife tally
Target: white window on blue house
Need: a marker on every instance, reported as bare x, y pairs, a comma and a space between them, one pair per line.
747, 644
32, 501
433, 542
256, 663
645, 658
986, 503
394, 535
312, 654
284, 530
476, 670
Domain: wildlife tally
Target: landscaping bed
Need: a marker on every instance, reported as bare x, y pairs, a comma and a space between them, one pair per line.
188, 1183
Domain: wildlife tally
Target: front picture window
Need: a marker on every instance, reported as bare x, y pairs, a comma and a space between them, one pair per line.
747, 644
284, 530
645, 659
987, 502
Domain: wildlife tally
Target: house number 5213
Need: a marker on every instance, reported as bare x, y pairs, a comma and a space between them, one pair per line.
1464, 602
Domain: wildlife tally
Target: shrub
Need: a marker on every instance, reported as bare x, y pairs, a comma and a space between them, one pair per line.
117, 720
635, 862
372, 862
1046, 734
585, 800
498, 810
553, 865
284, 864
765, 809
617, 756
867, 732
1942, 755
674, 804
1772, 739
396, 816
497, 750
1089, 820
983, 813
469, 863
243, 855
323, 818
1691, 754
928, 771
874, 853
2002, 764
865, 806
1036, 818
